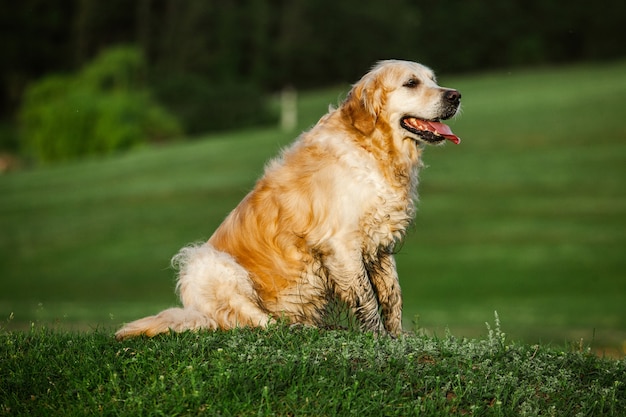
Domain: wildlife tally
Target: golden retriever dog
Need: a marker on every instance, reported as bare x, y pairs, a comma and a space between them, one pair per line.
323, 221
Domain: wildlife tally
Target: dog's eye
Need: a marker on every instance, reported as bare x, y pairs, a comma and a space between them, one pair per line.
412, 83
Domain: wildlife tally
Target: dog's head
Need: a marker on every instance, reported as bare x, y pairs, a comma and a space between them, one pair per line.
404, 95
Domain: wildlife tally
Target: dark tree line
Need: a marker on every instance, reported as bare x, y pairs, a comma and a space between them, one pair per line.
268, 44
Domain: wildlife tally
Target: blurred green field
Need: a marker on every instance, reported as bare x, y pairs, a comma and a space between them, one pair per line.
527, 216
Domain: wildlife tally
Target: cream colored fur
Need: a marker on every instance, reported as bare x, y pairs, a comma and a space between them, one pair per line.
323, 220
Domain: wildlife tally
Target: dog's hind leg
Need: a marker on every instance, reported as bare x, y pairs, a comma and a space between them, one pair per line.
212, 282
216, 293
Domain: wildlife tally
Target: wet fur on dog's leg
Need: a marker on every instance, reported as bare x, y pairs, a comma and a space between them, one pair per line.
353, 287
384, 278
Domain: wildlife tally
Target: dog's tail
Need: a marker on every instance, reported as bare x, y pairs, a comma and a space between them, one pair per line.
173, 319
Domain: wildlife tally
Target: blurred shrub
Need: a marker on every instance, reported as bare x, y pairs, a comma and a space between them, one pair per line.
102, 109
8, 137
202, 106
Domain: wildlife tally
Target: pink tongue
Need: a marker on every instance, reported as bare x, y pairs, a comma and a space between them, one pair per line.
444, 130
439, 128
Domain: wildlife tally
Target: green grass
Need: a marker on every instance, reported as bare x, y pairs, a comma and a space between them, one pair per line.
527, 216
301, 372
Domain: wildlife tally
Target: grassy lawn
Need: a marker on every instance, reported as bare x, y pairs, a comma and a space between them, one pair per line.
301, 372
527, 216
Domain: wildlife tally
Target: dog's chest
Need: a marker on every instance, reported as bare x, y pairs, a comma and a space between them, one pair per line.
388, 207
388, 219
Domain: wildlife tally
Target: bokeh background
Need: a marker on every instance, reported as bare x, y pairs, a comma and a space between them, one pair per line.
130, 128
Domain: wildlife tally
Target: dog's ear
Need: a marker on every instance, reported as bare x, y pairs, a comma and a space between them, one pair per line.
363, 105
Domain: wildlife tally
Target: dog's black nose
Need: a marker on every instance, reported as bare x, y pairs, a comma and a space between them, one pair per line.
452, 96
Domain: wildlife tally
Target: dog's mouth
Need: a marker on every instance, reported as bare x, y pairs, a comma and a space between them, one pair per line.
432, 131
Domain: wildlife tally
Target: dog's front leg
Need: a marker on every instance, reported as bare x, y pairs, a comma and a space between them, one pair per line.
352, 284
384, 277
